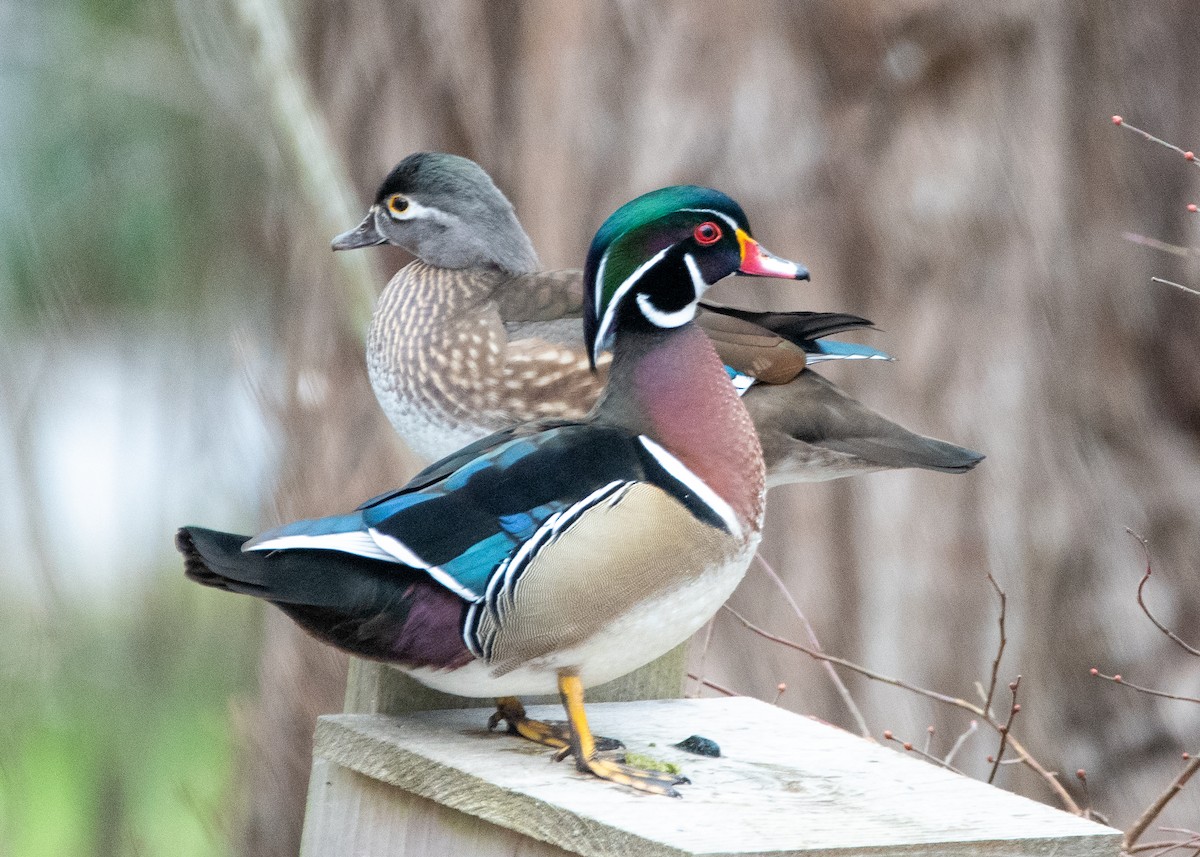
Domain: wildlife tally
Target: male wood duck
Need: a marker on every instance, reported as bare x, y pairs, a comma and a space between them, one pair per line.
472, 337
562, 553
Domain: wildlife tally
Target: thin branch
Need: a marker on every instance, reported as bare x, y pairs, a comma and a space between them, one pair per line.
962, 739
718, 688
987, 702
1141, 603
305, 134
1121, 123
850, 665
1033, 764
1012, 712
704, 651
1176, 285
1163, 246
1120, 679
924, 754
1166, 847
839, 685
1152, 811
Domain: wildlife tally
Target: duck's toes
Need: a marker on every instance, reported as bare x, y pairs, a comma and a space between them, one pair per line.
651, 782
549, 733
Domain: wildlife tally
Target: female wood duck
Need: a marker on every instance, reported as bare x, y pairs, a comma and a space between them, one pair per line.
564, 553
471, 338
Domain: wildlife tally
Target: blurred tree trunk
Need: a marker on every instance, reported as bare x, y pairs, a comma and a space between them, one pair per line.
944, 167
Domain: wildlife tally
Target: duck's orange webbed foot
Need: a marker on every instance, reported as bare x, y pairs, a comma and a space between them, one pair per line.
588, 759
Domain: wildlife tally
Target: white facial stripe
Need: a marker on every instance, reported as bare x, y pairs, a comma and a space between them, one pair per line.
732, 223
694, 483
600, 279
699, 286
610, 313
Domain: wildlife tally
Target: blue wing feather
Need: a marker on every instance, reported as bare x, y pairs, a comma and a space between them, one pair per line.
833, 349
463, 517
461, 523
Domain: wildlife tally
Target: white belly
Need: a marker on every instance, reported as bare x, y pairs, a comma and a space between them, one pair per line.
639, 636
426, 431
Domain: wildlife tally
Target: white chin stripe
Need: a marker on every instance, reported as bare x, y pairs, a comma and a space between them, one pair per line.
665, 319
694, 483
679, 317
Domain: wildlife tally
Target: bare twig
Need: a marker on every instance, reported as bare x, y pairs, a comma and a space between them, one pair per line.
1163, 847
1004, 730
1030, 762
708, 632
839, 685
1187, 155
991, 692
718, 688
1163, 246
1141, 603
962, 739
305, 135
1147, 818
1120, 679
924, 754
1176, 285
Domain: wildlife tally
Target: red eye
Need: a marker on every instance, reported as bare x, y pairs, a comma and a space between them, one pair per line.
707, 233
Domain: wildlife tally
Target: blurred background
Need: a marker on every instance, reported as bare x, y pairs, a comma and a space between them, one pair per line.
178, 345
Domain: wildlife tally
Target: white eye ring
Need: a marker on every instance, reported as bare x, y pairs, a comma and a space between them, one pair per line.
412, 210
398, 207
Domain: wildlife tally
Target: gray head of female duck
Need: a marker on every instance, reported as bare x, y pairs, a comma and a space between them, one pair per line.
448, 212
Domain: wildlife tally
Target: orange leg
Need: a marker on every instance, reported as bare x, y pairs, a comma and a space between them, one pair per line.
583, 748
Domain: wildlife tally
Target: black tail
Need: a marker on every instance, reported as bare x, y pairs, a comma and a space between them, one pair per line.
801, 328
313, 578
367, 607
210, 556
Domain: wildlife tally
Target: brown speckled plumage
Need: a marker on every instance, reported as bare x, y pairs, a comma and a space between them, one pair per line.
445, 371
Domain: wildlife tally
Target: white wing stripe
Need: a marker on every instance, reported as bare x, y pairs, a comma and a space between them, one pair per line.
396, 549
357, 542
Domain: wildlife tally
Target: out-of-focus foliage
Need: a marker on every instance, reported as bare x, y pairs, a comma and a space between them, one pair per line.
120, 179
115, 730
135, 277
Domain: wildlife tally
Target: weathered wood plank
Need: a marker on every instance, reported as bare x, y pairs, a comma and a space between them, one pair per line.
350, 814
786, 785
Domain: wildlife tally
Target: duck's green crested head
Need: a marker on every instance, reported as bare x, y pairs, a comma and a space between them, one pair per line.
655, 256
447, 211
